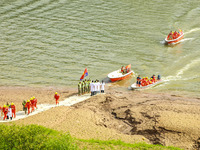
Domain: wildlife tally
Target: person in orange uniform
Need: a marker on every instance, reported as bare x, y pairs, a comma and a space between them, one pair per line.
35, 102
5, 111
32, 104
28, 105
13, 110
56, 96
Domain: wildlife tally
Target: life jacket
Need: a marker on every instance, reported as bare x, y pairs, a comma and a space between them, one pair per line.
13, 107
56, 96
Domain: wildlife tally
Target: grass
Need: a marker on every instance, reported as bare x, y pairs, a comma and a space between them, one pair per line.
34, 137
118, 144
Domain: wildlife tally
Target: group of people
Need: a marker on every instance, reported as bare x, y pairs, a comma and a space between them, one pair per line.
146, 81
8, 111
174, 35
29, 105
125, 69
87, 86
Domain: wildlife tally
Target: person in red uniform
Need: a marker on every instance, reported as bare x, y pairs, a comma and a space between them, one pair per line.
32, 104
28, 105
13, 110
5, 111
56, 96
35, 102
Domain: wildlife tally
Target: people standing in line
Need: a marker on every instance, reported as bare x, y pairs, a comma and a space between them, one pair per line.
9, 114
24, 108
56, 96
102, 86
13, 110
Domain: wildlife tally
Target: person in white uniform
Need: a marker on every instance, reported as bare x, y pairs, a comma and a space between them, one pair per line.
102, 86
9, 115
92, 88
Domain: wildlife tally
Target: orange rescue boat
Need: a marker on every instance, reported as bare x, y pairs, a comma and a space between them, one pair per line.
118, 75
174, 37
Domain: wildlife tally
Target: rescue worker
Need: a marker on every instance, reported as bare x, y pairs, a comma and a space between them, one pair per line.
35, 102
79, 88
138, 80
122, 69
32, 104
13, 110
56, 96
24, 108
5, 111
28, 106
158, 78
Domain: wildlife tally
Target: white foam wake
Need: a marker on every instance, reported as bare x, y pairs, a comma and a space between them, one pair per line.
182, 70
193, 30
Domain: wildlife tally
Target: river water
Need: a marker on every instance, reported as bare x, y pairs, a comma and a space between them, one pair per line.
51, 42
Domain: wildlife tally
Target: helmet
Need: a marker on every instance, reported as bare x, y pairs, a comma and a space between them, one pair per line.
33, 97
147, 77
12, 103
4, 106
28, 100
143, 77
56, 93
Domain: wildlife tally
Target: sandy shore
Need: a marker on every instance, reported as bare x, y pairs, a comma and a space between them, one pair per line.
169, 119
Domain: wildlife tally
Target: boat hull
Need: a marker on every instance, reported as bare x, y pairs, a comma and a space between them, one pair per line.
174, 41
114, 78
135, 87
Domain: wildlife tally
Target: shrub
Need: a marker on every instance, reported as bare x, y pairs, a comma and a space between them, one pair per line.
33, 137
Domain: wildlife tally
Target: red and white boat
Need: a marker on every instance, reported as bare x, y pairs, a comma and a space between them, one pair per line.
118, 75
176, 40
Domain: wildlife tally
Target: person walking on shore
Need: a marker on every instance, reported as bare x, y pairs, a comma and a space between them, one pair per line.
13, 110
24, 108
32, 104
56, 96
28, 106
35, 102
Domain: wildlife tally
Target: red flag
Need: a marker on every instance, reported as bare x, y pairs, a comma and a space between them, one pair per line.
85, 73
128, 67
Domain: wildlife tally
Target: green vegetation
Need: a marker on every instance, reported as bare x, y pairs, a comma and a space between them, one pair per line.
118, 144
33, 137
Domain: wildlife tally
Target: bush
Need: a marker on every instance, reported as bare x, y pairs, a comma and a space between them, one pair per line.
33, 137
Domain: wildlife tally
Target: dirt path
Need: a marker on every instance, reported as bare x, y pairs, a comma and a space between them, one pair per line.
43, 107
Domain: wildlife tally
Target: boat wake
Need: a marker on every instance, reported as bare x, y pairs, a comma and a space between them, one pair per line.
179, 73
193, 30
